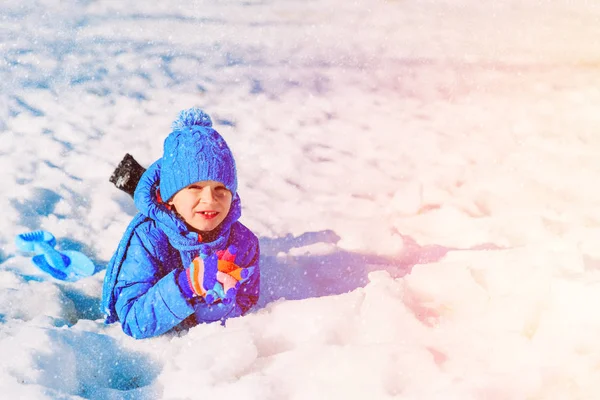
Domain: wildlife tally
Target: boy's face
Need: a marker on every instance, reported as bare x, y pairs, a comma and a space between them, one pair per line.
203, 205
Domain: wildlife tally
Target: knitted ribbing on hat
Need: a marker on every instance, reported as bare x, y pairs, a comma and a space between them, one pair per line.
195, 152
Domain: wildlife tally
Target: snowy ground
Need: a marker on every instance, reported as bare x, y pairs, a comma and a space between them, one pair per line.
421, 174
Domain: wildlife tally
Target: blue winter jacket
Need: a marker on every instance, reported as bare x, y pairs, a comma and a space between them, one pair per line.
141, 285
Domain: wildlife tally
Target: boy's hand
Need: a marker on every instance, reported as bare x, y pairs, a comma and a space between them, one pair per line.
202, 277
230, 274
227, 265
216, 276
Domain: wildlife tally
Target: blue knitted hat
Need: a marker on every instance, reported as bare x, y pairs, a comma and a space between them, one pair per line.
195, 152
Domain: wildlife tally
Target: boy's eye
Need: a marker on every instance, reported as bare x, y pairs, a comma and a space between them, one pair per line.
221, 191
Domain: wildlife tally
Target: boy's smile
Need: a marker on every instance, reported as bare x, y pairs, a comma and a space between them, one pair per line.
209, 214
203, 205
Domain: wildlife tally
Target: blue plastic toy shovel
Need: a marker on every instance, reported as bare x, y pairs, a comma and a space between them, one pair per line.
66, 265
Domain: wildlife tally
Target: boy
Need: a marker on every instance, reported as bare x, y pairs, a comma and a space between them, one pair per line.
184, 259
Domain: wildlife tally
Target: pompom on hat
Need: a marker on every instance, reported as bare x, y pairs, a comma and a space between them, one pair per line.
195, 152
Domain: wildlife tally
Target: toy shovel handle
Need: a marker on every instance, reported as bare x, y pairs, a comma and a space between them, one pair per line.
54, 258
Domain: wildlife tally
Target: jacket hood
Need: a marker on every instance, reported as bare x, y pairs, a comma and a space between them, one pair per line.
180, 236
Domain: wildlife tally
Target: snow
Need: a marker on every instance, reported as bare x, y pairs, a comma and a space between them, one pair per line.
421, 175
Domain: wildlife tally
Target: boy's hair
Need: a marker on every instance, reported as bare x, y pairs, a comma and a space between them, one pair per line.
195, 152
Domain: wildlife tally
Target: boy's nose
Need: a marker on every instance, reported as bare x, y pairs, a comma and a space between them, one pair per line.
207, 195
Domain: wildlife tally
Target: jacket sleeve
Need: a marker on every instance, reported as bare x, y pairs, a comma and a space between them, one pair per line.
148, 302
249, 291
